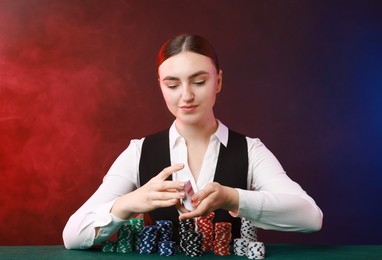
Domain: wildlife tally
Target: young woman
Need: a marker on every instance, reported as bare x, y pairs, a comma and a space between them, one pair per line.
231, 174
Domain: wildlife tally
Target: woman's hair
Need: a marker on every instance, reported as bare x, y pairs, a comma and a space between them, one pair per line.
187, 42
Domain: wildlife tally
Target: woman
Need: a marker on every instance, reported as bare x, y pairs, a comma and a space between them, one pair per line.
229, 172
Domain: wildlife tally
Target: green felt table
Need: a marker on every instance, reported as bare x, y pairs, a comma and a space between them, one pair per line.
273, 251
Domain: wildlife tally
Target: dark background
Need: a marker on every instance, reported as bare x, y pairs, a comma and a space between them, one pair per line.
78, 81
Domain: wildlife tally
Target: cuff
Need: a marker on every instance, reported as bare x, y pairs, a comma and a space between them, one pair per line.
107, 231
250, 205
106, 222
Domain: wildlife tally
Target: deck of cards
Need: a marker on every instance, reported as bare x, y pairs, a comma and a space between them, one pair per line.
189, 192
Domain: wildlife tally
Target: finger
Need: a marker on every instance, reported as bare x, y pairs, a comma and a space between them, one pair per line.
180, 207
161, 196
200, 211
171, 186
164, 203
166, 172
201, 195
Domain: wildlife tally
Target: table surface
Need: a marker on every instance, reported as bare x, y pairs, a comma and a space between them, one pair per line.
273, 252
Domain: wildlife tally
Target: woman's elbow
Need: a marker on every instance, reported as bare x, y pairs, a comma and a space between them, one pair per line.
72, 240
69, 242
314, 221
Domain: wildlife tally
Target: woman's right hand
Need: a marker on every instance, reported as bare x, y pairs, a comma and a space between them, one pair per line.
156, 193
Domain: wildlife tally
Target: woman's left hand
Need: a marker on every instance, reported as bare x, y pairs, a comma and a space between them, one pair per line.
213, 196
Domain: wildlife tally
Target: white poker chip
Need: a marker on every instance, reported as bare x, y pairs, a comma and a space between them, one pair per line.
248, 230
241, 242
256, 250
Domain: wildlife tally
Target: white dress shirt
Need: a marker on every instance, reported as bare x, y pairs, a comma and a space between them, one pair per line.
272, 200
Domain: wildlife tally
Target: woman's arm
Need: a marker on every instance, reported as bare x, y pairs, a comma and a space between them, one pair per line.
118, 198
273, 200
94, 215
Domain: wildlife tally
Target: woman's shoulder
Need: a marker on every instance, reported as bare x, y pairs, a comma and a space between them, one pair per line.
155, 136
250, 139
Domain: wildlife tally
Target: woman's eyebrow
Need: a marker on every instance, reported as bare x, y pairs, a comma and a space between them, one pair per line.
194, 75
170, 78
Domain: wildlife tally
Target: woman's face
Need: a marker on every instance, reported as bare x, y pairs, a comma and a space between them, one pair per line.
189, 83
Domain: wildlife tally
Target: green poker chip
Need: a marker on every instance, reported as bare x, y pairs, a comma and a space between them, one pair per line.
109, 247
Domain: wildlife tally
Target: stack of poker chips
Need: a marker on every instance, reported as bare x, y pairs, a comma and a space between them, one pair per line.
240, 246
194, 243
133, 235
223, 236
166, 248
148, 243
248, 244
206, 226
256, 250
248, 230
184, 227
137, 224
165, 230
109, 246
125, 239
128, 237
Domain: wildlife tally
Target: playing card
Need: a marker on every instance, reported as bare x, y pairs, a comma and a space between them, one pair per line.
189, 192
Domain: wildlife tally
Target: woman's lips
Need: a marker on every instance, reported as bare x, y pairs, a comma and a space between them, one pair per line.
188, 108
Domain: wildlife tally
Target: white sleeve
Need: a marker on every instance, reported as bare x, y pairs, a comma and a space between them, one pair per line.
273, 200
122, 177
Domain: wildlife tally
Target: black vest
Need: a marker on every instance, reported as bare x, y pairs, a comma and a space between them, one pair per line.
231, 170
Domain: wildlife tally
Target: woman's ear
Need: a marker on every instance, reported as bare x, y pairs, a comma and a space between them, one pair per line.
219, 81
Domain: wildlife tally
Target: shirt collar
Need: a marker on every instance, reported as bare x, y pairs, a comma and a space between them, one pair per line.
221, 134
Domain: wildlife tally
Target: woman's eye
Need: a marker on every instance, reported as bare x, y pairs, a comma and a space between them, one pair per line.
200, 82
172, 85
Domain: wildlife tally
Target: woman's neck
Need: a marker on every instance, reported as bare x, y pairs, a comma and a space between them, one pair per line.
197, 132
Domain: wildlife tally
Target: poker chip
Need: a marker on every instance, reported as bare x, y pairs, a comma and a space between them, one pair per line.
109, 246
185, 226
194, 243
165, 230
240, 246
196, 237
125, 239
223, 236
137, 224
256, 250
133, 235
206, 226
248, 230
166, 248
148, 242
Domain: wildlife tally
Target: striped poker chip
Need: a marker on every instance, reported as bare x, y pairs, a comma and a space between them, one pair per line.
133, 235
125, 232
240, 251
165, 230
256, 250
137, 224
109, 246
125, 246
194, 243
185, 226
223, 236
248, 230
206, 226
128, 236
243, 242
148, 240
240, 246
166, 248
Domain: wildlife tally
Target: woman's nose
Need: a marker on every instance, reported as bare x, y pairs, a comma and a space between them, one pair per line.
187, 93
